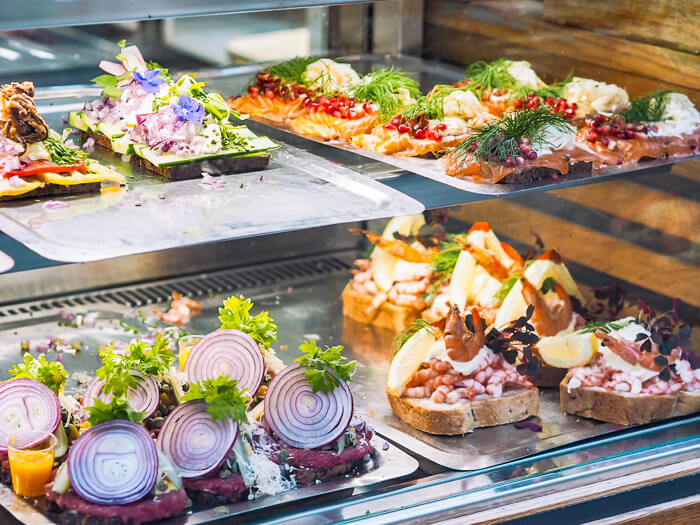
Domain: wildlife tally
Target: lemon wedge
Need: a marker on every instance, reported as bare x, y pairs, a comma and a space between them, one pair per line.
383, 263
462, 279
409, 358
568, 351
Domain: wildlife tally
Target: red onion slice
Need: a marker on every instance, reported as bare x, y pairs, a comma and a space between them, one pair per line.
227, 352
143, 398
29, 411
113, 463
303, 418
195, 443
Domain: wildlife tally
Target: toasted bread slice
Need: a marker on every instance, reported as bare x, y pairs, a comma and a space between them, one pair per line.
388, 315
688, 402
464, 416
620, 408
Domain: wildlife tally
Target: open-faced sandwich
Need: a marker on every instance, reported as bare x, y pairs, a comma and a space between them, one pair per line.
388, 287
35, 161
523, 146
171, 127
455, 379
325, 99
639, 373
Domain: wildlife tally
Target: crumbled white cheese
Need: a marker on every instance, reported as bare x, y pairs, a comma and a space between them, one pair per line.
521, 70
329, 75
595, 97
680, 116
555, 139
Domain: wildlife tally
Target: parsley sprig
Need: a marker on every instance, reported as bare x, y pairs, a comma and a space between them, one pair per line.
52, 373
225, 399
235, 314
116, 408
324, 366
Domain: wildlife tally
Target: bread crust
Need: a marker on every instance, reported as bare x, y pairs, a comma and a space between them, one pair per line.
464, 416
391, 316
620, 408
688, 402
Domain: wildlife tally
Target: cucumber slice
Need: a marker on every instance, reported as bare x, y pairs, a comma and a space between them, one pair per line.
109, 130
122, 145
75, 119
255, 145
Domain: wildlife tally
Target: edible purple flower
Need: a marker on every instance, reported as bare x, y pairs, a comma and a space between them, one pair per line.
188, 110
149, 80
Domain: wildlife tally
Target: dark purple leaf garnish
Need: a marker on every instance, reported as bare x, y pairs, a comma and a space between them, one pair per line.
646, 346
660, 360
530, 425
510, 356
641, 336
665, 374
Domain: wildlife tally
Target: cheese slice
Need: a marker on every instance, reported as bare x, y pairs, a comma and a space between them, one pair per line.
28, 184
97, 173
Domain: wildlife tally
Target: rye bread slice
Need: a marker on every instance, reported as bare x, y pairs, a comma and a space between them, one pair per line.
540, 173
55, 190
396, 318
515, 404
193, 170
688, 402
620, 408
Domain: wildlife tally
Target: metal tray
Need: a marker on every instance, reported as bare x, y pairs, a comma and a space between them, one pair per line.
6, 262
299, 190
428, 73
117, 323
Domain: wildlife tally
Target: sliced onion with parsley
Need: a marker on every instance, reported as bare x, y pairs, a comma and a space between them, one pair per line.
143, 398
303, 418
229, 353
195, 443
113, 463
29, 412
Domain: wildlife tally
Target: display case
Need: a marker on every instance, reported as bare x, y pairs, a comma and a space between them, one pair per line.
287, 236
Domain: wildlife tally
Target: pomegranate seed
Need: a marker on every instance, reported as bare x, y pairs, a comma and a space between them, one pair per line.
253, 89
403, 128
525, 150
396, 121
336, 113
437, 137
532, 155
605, 141
592, 136
352, 114
520, 160
367, 107
344, 113
389, 125
442, 126
351, 104
510, 161
419, 134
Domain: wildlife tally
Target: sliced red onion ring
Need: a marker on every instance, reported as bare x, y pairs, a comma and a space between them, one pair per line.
143, 398
229, 353
303, 418
113, 463
29, 412
196, 443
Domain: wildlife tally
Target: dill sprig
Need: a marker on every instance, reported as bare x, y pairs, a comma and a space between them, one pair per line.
499, 140
601, 326
487, 76
649, 108
382, 87
292, 70
554, 90
431, 105
415, 326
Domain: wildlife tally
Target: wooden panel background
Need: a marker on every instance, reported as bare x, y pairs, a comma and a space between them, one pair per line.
620, 50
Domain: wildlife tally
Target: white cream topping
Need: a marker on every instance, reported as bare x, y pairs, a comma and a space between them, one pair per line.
628, 332
555, 139
404, 96
464, 104
439, 351
330, 75
680, 116
595, 97
455, 126
522, 71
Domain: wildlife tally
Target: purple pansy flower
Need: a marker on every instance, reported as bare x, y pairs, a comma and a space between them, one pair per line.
188, 109
150, 80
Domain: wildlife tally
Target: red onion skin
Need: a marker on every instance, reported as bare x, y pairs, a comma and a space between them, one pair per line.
193, 417
94, 447
290, 387
24, 390
213, 352
146, 385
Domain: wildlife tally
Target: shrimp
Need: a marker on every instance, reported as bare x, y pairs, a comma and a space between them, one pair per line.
463, 345
485, 259
411, 287
412, 301
422, 376
362, 264
548, 320
378, 300
634, 355
397, 247
417, 391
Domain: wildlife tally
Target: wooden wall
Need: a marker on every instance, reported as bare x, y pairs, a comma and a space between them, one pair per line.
641, 45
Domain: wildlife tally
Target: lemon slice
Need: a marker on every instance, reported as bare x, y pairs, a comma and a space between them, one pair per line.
383, 263
462, 279
409, 358
568, 351
406, 225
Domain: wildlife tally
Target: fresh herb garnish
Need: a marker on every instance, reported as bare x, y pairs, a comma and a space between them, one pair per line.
499, 141
324, 366
601, 326
293, 70
413, 328
235, 314
555, 89
225, 399
548, 285
507, 286
51, 373
382, 87
116, 408
164, 71
649, 108
430, 106
60, 153
108, 83
445, 260
517, 338
230, 138
487, 76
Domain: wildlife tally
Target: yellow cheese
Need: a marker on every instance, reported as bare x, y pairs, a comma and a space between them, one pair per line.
28, 184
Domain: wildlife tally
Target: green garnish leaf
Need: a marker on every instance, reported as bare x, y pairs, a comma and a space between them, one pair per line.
117, 408
293, 70
499, 140
122, 43
430, 106
324, 366
60, 153
382, 87
487, 76
445, 260
164, 71
51, 373
507, 286
601, 326
217, 106
649, 108
415, 326
548, 285
235, 314
554, 90
231, 138
225, 399
108, 83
